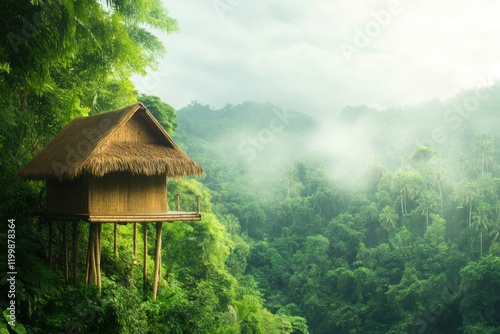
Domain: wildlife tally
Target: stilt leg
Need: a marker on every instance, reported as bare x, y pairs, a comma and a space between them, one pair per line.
92, 255
65, 253
115, 240
88, 266
135, 240
98, 258
157, 272
75, 249
51, 236
145, 252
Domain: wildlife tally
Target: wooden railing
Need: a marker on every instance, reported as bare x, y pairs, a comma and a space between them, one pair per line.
178, 201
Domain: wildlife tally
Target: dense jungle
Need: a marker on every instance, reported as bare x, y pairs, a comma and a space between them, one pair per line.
364, 221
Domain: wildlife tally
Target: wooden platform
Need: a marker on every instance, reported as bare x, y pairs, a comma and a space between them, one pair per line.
125, 217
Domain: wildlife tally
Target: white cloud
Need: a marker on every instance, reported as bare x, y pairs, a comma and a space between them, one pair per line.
288, 52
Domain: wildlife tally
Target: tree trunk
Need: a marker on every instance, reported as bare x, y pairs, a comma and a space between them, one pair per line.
406, 209
470, 213
481, 253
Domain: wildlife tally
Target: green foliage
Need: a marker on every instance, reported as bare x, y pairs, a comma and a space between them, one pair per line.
282, 247
480, 304
251, 318
388, 218
384, 258
62, 59
162, 112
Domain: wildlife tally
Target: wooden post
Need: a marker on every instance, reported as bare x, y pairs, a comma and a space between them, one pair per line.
135, 240
178, 200
98, 259
145, 252
51, 235
75, 248
93, 269
115, 241
65, 253
88, 266
198, 204
157, 273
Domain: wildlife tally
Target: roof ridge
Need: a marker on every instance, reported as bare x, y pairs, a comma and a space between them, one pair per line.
105, 139
73, 150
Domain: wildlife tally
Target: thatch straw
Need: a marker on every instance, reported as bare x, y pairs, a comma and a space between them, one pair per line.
84, 147
139, 158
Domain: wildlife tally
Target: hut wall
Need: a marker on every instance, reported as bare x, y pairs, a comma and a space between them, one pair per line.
136, 130
123, 192
69, 196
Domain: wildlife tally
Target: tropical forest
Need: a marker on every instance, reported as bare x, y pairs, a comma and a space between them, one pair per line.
371, 220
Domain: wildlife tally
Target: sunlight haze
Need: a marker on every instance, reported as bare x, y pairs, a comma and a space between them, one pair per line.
320, 56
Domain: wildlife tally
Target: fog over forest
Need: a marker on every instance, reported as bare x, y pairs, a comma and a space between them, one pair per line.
265, 138
350, 152
348, 213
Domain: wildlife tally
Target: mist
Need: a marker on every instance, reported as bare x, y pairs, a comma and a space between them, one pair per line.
262, 140
293, 55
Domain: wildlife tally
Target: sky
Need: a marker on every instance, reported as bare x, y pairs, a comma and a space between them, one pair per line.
319, 56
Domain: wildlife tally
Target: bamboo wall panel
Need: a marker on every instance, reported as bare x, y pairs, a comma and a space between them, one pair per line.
136, 130
124, 192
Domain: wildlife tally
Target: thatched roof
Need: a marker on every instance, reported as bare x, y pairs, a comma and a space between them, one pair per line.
85, 146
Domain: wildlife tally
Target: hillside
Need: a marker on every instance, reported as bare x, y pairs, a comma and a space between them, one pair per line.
411, 246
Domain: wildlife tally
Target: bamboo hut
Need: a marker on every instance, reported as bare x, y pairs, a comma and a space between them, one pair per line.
112, 168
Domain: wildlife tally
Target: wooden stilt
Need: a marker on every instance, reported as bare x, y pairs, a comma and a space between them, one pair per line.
89, 259
65, 253
145, 252
115, 240
91, 256
75, 249
157, 272
92, 268
51, 235
135, 240
98, 258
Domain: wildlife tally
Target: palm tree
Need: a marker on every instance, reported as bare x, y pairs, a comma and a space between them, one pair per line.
481, 221
484, 146
462, 166
290, 180
427, 202
402, 243
439, 177
407, 184
466, 195
495, 232
495, 228
497, 209
365, 257
388, 218
403, 191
